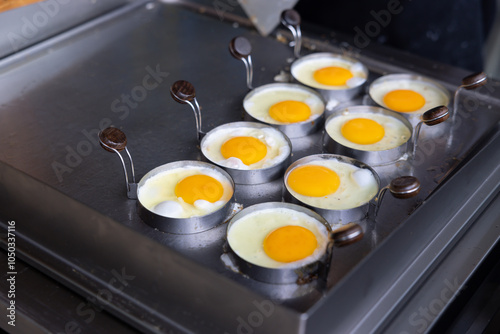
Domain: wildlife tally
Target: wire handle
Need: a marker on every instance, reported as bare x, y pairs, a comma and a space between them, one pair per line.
402, 187
183, 92
470, 82
290, 18
431, 117
240, 48
114, 140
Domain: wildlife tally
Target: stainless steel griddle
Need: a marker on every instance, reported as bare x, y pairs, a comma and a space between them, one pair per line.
75, 223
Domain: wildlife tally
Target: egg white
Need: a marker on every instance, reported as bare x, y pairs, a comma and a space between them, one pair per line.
396, 132
433, 96
357, 186
246, 235
278, 148
304, 72
157, 194
258, 104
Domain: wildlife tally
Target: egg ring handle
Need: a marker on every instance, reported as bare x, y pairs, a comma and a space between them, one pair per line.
291, 19
469, 82
240, 48
347, 235
183, 92
474, 80
114, 140
402, 187
431, 117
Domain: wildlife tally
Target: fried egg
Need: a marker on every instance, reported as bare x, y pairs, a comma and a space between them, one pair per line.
278, 238
283, 104
245, 147
367, 131
330, 72
331, 184
408, 95
185, 192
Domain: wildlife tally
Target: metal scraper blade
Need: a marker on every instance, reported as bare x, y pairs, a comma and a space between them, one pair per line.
265, 14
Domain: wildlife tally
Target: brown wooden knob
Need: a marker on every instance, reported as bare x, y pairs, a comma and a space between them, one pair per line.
404, 187
290, 17
436, 115
347, 234
240, 47
182, 91
112, 138
474, 80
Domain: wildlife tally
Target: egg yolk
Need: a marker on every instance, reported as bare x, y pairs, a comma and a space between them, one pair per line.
332, 76
290, 111
362, 131
404, 100
290, 243
200, 186
313, 180
248, 149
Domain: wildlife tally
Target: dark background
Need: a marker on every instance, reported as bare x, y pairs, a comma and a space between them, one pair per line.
449, 31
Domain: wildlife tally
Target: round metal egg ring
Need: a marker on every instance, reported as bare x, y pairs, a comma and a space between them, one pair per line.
250, 176
189, 225
292, 130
